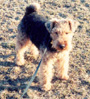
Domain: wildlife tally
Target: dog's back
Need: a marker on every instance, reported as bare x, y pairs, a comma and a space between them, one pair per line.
34, 27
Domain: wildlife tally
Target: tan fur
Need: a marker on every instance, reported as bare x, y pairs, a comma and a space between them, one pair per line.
21, 47
34, 51
62, 65
61, 60
46, 73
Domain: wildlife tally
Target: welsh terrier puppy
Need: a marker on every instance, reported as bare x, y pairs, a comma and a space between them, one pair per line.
40, 33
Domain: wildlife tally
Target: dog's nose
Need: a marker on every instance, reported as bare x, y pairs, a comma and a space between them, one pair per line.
62, 46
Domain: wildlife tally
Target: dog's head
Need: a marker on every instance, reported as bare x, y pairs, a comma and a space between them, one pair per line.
61, 32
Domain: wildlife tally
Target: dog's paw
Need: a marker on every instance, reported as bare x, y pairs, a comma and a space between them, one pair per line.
46, 87
64, 77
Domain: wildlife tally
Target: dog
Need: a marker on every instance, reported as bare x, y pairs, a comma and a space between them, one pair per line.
55, 35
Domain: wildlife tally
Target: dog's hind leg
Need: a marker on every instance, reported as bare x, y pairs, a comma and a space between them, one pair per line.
21, 46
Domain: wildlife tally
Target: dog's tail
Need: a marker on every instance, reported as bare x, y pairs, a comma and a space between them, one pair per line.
32, 8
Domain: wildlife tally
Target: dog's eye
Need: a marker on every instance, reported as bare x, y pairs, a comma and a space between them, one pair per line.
66, 32
56, 33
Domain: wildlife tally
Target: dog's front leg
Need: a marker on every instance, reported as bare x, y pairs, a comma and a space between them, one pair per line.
46, 72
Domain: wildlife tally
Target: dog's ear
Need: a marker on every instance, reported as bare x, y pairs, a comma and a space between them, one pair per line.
51, 24
73, 24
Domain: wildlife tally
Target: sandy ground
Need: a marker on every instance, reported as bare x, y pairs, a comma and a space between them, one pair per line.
13, 79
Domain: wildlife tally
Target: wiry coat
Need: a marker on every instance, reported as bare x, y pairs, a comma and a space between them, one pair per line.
33, 25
